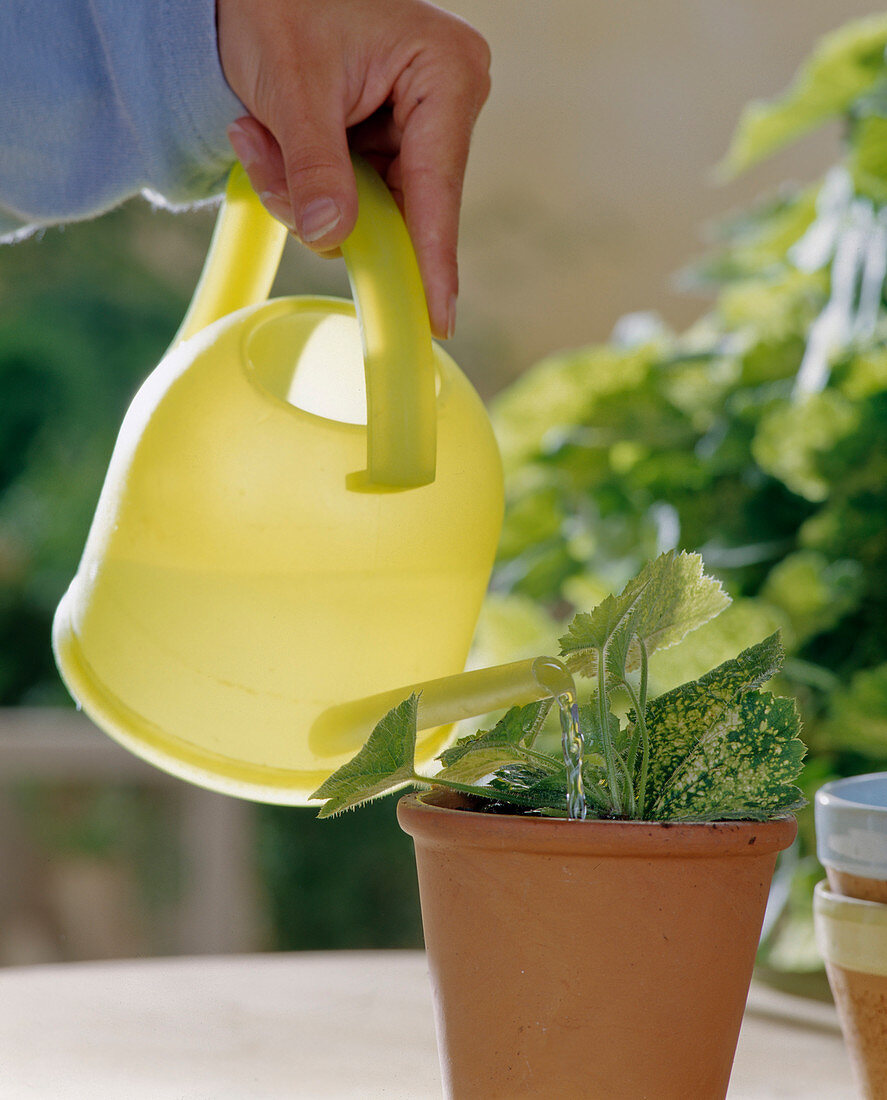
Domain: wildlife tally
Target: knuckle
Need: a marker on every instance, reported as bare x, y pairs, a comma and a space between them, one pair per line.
471, 77
478, 52
473, 48
306, 161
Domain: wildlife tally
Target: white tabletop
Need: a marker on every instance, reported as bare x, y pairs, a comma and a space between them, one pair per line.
331, 1026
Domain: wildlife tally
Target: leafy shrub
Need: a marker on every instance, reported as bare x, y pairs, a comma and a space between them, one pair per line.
757, 438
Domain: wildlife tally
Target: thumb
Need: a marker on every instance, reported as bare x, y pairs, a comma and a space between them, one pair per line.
317, 167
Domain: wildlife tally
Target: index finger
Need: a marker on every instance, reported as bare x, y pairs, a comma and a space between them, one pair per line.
435, 109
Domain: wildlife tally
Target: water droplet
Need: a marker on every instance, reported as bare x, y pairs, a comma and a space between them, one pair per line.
554, 676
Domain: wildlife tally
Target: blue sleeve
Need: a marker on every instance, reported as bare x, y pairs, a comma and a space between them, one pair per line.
102, 99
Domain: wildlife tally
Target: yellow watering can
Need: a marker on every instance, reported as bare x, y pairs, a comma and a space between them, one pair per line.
301, 510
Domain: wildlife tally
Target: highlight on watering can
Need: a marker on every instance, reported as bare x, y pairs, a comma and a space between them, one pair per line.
301, 510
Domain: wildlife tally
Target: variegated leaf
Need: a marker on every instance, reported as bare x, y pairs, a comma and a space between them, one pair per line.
721, 748
744, 766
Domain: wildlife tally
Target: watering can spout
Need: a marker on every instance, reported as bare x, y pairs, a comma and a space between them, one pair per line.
344, 728
448, 699
254, 560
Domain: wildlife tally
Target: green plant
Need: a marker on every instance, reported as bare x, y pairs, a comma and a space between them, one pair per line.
757, 438
714, 748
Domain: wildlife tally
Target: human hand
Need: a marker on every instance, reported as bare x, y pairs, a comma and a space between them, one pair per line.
399, 81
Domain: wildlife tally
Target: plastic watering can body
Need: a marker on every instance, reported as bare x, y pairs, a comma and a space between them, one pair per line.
249, 568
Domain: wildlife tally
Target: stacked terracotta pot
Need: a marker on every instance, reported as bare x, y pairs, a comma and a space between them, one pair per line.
850, 912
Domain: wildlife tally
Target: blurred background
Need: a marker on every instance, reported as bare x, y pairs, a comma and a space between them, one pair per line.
592, 183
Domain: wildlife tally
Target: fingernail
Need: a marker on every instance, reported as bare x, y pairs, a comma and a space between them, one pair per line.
451, 317
244, 146
318, 218
278, 207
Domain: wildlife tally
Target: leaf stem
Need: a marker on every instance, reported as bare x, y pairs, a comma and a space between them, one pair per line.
533, 756
638, 700
642, 726
604, 718
597, 796
544, 707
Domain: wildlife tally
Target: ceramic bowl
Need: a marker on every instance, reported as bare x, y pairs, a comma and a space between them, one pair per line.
851, 835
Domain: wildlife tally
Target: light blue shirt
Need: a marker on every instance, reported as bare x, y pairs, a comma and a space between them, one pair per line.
102, 99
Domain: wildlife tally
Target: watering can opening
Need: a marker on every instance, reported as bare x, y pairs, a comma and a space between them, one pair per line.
312, 359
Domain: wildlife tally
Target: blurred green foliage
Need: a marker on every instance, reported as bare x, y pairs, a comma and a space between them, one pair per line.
86, 314
83, 320
757, 438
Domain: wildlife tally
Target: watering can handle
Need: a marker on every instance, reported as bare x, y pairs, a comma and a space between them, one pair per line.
398, 356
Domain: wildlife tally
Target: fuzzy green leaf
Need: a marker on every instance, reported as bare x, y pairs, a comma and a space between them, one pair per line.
517, 725
477, 765
669, 598
845, 65
489, 751
385, 762
533, 788
719, 748
676, 719
592, 631
678, 598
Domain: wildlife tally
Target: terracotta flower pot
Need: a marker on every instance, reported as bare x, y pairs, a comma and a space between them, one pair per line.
608, 960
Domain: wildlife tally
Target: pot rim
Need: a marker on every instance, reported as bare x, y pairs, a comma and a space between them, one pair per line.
851, 825
844, 907
435, 818
838, 792
850, 932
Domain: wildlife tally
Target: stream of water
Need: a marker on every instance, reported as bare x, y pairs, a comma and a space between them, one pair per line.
552, 675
